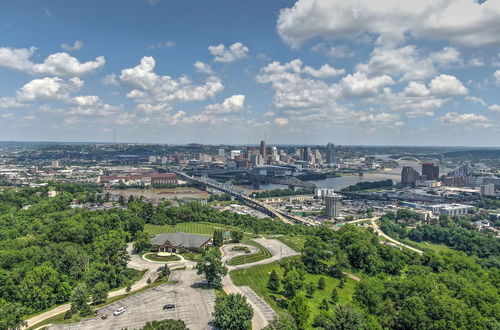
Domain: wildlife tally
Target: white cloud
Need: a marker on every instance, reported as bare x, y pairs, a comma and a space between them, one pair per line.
333, 51
359, 85
416, 89
233, 104
158, 45
153, 92
232, 53
463, 22
453, 118
496, 75
77, 45
203, 67
281, 121
10, 102
58, 64
408, 62
494, 107
48, 89
111, 80
325, 71
446, 85
476, 100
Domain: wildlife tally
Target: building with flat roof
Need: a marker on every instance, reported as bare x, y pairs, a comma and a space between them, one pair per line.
449, 209
332, 205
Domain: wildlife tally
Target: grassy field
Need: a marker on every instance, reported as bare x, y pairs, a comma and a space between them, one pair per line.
426, 245
156, 257
200, 228
261, 254
294, 242
256, 278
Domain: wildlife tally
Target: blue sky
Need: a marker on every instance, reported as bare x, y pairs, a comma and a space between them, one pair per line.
309, 71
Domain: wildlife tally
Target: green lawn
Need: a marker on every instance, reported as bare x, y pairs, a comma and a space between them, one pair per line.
261, 254
200, 228
426, 245
294, 242
156, 257
256, 278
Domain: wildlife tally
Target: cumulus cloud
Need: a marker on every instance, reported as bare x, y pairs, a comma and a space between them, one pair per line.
407, 62
48, 89
496, 75
341, 51
58, 64
233, 104
477, 100
446, 85
494, 108
203, 67
453, 118
281, 121
10, 102
232, 53
77, 45
153, 92
358, 84
325, 71
462, 22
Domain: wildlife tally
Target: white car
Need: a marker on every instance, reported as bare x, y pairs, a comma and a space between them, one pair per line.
119, 311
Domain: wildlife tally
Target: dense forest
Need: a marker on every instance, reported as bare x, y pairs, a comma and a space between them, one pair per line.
399, 288
47, 249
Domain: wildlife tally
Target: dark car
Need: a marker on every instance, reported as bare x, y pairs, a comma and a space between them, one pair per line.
160, 268
168, 306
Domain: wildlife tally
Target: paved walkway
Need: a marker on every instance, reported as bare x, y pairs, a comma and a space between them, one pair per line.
263, 313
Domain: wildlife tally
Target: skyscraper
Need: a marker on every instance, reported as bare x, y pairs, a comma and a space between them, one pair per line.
332, 205
262, 150
331, 158
409, 175
430, 170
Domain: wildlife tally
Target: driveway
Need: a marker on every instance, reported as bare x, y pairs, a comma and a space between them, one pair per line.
193, 304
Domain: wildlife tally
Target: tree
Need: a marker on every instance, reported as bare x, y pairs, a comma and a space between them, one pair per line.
342, 282
310, 289
11, 315
232, 312
142, 242
165, 271
324, 305
348, 318
321, 283
236, 236
299, 310
213, 269
313, 254
165, 325
149, 281
79, 300
335, 296
121, 200
292, 282
130, 199
282, 321
273, 283
128, 288
100, 293
218, 238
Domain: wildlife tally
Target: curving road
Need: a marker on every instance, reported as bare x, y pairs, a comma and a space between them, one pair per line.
381, 233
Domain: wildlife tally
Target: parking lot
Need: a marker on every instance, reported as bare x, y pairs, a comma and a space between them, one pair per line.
193, 304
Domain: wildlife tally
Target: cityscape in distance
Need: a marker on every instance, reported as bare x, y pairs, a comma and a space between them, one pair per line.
294, 164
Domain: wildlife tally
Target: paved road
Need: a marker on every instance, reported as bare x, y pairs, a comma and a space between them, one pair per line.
193, 304
263, 313
135, 262
381, 233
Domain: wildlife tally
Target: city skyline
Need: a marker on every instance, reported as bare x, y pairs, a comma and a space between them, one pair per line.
192, 72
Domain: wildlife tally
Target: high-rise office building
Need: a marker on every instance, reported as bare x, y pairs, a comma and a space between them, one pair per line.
487, 189
430, 171
306, 153
332, 205
409, 175
331, 158
262, 149
222, 152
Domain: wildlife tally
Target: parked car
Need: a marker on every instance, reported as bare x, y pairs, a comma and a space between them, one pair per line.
168, 306
119, 311
104, 316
